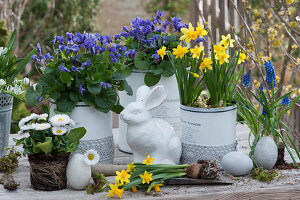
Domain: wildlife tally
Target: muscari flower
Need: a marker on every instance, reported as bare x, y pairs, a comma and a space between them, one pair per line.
104, 85
91, 157
270, 74
157, 18
264, 112
246, 79
285, 101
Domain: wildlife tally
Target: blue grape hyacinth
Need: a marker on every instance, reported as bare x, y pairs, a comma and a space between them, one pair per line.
285, 101
270, 74
246, 79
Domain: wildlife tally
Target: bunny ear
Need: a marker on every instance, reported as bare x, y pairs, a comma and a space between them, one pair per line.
156, 97
142, 92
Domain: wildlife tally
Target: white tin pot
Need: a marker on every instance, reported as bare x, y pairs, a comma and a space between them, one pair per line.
6, 104
168, 111
207, 133
99, 130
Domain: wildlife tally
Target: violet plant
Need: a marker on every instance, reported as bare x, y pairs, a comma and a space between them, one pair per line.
264, 115
143, 38
84, 68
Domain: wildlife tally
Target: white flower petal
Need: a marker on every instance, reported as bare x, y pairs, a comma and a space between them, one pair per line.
60, 120
91, 157
27, 119
58, 130
42, 126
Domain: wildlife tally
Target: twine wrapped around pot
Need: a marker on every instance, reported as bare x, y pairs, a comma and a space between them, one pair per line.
48, 172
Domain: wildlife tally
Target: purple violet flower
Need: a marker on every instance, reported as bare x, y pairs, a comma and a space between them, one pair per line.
87, 63
104, 85
64, 69
81, 90
39, 100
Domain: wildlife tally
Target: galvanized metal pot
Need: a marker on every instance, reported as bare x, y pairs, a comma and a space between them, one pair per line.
6, 103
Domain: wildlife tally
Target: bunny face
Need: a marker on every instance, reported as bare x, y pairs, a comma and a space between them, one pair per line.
146, 99
135, 113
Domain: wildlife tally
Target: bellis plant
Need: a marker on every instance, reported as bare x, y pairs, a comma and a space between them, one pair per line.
49, 136
10, 67
263, 115
146, 41
84, 68
194, 70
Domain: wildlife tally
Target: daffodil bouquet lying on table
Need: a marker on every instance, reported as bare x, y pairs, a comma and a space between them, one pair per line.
194, 70
142, 40
49, 137
10, 67
82, 69
146, 176
263, 114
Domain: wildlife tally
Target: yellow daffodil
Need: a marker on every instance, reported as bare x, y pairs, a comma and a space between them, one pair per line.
156, 187
200, 31
130, 167
180, 51
134, 189
242, 58
222, 57
146, 177
197, 51
293, 24
218, 48
148, 161
114, 190
277, 78
188, 34
195, 75
122, 177
294, 46
227, 41
162, 52
257, 106
206, 63
288, 113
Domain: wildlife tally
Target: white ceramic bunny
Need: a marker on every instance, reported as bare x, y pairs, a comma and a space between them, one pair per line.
147, 135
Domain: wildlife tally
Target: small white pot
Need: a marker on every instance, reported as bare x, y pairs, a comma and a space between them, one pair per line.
168, 111
99, 130
207, 133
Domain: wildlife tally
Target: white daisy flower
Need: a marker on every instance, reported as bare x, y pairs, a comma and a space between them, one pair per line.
27, 119
42, 126
91, 157
60, 120
43, 116
26, 128
58, 130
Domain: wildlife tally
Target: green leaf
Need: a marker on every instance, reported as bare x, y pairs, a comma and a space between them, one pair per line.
74, 97
117, 108
94, 89
168, 69
118, 76
66, 78
156, 69
31, 96
151, 79
65, 106
47, 81
76, 134
45, 147
139, 61
88, 99
106, 99
128, 88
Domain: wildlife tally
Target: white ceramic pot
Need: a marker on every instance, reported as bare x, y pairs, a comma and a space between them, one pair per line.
99, 130
168, 111
207, 133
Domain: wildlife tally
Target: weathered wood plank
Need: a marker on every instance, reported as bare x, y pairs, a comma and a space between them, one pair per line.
213, 21
205, 15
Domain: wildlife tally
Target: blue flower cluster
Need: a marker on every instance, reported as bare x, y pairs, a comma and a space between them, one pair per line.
246, 79
141, 28
285, 101
270, 74
41, 58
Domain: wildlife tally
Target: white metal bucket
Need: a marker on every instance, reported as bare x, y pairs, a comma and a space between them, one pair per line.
99, 130
6, 104
207, 133
168, 111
